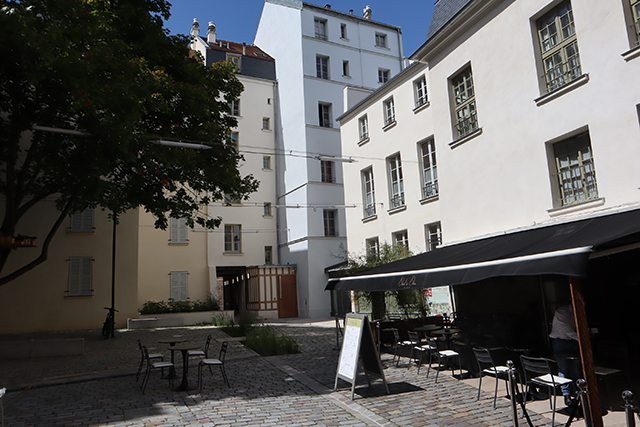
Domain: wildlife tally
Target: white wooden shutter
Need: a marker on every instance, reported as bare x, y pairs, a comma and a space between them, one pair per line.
80, 276
179, 285
82, 222
179, 231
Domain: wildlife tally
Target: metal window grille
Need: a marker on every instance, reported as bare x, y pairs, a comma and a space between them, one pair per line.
396, 182
421, 92
389, 112
429, 170
465, 103
576, 173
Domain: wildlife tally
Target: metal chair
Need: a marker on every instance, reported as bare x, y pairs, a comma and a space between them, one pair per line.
417, 346
214, 362
153, 356
154, 365
201, 353
398, 344
442, 355
537, 371
486, 366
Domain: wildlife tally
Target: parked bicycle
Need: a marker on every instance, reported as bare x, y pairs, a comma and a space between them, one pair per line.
109, 326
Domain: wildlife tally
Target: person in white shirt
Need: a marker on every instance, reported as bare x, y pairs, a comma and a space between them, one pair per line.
564, 340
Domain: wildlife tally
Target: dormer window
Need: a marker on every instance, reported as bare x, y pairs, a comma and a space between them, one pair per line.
236, 59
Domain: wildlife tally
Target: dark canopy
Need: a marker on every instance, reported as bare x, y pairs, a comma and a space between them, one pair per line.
562, 249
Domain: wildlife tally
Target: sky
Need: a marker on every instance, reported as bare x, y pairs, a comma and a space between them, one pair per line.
237, 20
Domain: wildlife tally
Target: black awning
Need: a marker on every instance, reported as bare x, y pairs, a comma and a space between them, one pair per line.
562, 249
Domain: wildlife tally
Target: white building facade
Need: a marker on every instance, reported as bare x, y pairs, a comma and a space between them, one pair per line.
318, 52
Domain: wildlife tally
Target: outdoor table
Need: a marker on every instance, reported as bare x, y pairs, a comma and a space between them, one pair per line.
447, 332
184, 348
172, 342
427, 328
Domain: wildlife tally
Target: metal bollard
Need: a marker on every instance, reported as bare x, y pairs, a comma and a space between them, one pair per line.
512, 392
629, 409
584, 402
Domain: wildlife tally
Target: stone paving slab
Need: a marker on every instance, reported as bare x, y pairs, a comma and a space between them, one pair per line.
292, 390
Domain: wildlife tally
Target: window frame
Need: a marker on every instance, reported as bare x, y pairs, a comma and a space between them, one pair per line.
345, 68
372, 247
266, 123
327, 171
389, 112
368, 193
82, 222
266, 162
234, 138
236, 60
381, 40
268, 255
400, 237
384, 75
322, 67
420, 85
179, 285
363, 128
232, 238
431, 230
463, 102
324, 115
266, 209
320, 28
634, 7
343, 31
429, 172
80, 276
234, 106
574, 188
396, 182
178, 231
330, 222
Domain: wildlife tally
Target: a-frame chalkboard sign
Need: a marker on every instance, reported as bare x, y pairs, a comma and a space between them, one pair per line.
358, 342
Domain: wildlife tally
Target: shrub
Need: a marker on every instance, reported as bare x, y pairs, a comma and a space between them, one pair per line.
154, 307
160, 307
246, 321
223, 320
267, 341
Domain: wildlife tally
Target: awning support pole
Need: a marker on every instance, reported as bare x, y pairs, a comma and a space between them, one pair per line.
586, 356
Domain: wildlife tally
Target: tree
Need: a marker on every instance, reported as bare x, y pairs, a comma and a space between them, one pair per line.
409, 300
107, 80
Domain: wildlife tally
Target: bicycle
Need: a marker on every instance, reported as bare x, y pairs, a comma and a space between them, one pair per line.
109, 326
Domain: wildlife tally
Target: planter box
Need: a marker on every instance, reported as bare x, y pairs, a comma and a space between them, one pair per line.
147, 321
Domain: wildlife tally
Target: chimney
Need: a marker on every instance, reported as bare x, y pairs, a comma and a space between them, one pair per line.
366, 13
244, 48
327, 6
195, 28
211, 33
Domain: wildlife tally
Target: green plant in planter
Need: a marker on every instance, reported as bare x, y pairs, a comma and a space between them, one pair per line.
267, 341
160, 307
154, 307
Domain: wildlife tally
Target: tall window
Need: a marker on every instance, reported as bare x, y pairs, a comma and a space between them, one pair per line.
559, 47
320, 28
575, 170
434, 236
234, 106
329, 217
401, 238
232, 238
267, 209
82, 222
324, 115
363, 127
381, 40
429, 169
268, 255
345, 68
326, 171
395, 182
178, 231
322, 67
80, 276
635, 12
266, 162
464, 100
420, 89
373, 247
179, 284
383, 75
389, 112
368, 193
343, 31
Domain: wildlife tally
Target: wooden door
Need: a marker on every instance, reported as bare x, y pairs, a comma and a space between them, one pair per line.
287, 296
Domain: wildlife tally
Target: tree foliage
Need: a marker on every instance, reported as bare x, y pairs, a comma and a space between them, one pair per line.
110, 71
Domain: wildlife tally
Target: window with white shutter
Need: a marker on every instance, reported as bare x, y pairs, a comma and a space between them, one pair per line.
179, 285
82, 222
80, 276
179, 231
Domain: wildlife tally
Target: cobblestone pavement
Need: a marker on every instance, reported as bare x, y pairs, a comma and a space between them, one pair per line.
99, 388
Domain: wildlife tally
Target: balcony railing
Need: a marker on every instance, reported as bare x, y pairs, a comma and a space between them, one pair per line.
430, 189
397, 201
321, 36
369, 211
577, 184
563, 73
467, 125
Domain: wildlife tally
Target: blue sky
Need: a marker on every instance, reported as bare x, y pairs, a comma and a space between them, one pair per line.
237, 20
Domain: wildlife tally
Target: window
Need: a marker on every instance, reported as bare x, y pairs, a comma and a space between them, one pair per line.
559, 47
235, 59
429, 169
324, 115
345, 68
268, 255
326, 171
368, 193
329, 216
434, 236
320, 28
232, 239
635, 12
343, 31
82, 222
401, 238
266, 162
464, 103
420, 89
234, 138
575, 171
267, 209
395, 182
265, 123
179, 285
80, 276
381, 40
372, 247
389, 112
363, 127
383, 75
234, 106
322, 67
178, 231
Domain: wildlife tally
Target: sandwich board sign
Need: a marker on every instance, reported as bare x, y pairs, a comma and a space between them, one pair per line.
358, 344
